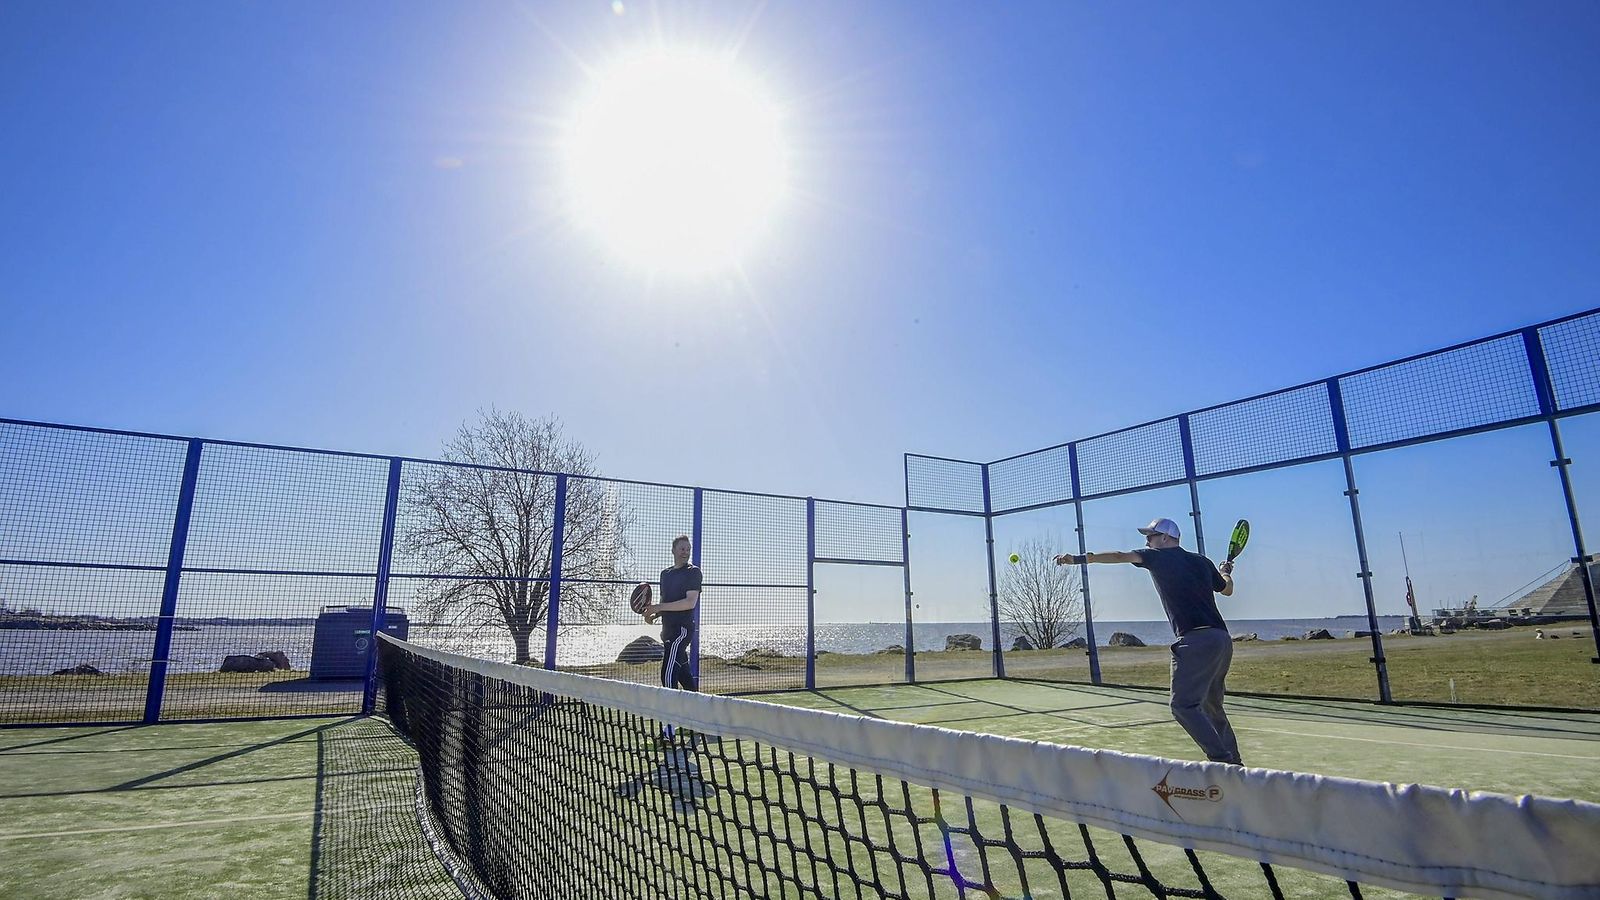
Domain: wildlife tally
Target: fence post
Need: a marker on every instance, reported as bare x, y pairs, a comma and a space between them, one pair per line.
696, 530
380, 590
905, 557
811, 594
1341, 433
1083, 568
1194, 484
994, 595
169, 589
558, 538
1547, 407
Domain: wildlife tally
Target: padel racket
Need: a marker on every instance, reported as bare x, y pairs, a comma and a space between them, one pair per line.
1241, 536
639, 600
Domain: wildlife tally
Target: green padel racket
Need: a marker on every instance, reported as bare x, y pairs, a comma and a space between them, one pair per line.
1241, 536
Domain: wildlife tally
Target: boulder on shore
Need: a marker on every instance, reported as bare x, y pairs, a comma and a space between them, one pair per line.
1076, 643
755, 657
278, 658
963, 642
1124, 639
1250, 636
1022, 643
891, 650
239, 662
1319, 634
642, 650
79, 669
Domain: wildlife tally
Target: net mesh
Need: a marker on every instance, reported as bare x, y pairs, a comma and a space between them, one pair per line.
534, 782
696, 815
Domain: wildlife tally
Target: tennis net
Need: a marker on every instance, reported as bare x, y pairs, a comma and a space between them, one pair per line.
535, 783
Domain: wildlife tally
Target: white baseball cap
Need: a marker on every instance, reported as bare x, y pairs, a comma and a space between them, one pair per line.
1163, 526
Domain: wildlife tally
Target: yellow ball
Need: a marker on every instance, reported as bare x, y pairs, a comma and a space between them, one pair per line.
1015, 559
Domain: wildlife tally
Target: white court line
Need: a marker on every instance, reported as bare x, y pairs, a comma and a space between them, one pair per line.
25, 835
1342, 737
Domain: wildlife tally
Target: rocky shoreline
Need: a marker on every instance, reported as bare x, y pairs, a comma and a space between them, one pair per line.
43, 622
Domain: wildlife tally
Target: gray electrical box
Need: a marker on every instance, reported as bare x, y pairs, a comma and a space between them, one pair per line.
343, 637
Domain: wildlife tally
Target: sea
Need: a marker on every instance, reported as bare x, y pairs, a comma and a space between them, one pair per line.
36, 652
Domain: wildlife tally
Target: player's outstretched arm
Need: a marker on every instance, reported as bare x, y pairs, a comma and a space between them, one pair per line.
1110, 556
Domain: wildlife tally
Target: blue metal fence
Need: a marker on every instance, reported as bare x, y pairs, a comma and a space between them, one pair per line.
139, 565
1542, 374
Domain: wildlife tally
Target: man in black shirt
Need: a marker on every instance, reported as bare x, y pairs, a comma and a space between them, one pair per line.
1203, 649
680, 593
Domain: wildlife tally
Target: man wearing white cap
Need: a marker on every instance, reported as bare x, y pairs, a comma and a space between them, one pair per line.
1203, 649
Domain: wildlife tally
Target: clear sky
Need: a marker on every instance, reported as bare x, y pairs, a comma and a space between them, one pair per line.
1006, 225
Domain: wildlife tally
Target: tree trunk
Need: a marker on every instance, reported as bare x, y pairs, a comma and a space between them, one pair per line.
519, 636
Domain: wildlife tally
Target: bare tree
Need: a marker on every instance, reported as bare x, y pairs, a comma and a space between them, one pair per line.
1039, 599
487, 525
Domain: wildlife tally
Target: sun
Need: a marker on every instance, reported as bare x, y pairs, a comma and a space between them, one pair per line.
676, 161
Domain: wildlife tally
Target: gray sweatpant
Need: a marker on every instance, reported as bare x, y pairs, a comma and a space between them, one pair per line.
1200, 661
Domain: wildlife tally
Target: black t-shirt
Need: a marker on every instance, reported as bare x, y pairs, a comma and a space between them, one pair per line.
676, 584
1187, 583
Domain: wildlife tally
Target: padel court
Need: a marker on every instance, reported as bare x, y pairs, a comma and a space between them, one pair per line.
321, 808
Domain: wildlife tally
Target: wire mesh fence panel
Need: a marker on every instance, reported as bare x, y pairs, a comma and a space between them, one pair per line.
753, 539
85, 526
1277, 428
533, 782
77, 643
860, 615
1488, 571
282, 510
1138, 457
648, 519
943, 484
858, 532
950, 600
753, 639
1044, 476
753, 557
1570, 351
1477, 385
267, 645
472, 620
617, 535
76, 496
472, 547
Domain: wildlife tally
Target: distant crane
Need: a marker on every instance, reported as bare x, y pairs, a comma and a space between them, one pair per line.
1414, 622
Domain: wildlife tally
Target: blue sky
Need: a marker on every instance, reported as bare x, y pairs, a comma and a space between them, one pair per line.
336, 226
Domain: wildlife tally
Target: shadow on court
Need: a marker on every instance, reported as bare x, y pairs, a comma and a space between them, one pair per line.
321, 809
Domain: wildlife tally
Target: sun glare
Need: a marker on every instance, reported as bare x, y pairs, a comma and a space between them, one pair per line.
676, 160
